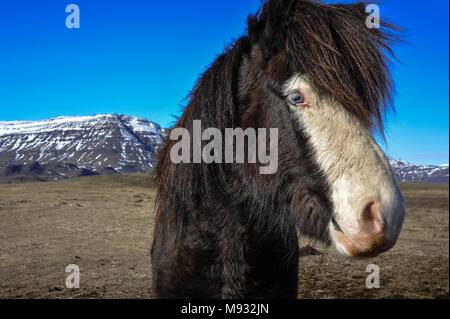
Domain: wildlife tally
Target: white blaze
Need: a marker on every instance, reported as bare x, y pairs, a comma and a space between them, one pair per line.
357, 169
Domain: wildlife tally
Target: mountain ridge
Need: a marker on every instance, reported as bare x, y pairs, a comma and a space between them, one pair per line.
108, 143
70, 146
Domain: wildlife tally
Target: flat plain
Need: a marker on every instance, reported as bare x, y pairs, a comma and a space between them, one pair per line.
104, 224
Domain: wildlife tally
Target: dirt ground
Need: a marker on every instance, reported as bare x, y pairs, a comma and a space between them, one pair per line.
103, 224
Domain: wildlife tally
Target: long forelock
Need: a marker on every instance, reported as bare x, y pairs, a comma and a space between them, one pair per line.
331, 44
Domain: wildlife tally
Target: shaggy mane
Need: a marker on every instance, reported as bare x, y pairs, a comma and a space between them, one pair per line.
332, 45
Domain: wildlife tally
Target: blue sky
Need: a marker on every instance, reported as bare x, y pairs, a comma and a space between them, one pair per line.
142, 57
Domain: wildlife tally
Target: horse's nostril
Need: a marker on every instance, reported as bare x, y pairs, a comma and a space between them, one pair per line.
371, 222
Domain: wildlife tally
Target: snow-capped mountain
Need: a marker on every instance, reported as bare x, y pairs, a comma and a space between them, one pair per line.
405, 171
78, 145
70, 146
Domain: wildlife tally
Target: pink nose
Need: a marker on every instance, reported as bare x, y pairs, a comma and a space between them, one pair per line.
370, 222
371, 239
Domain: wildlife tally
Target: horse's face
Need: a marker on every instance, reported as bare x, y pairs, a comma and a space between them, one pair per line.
330, 70
368, 206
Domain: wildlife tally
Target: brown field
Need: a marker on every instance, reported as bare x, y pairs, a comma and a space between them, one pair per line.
104, 224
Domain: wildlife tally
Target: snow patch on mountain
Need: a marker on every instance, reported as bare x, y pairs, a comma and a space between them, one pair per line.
97, 143
405, 171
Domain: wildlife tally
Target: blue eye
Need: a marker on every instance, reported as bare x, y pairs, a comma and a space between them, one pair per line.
295, 98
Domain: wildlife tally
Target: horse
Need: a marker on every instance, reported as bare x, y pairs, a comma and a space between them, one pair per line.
319, 75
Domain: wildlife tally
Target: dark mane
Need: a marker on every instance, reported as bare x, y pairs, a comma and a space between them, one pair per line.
213, 101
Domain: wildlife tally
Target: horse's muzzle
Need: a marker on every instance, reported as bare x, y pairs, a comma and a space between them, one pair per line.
375, 235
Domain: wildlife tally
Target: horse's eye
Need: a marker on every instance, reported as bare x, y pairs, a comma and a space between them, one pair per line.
296, 98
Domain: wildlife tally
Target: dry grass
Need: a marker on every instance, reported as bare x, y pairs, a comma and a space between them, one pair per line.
101, 223
104, 224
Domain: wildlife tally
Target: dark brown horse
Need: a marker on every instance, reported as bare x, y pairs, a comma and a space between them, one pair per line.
319, 75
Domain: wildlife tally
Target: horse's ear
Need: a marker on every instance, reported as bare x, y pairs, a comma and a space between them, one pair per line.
268, 25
